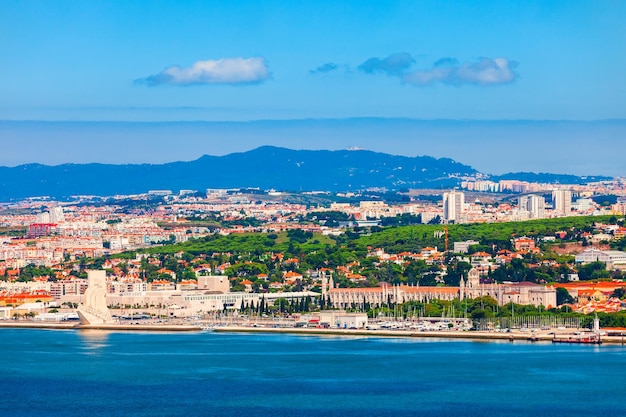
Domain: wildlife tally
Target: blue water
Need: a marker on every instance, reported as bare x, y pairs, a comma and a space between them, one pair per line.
70, 373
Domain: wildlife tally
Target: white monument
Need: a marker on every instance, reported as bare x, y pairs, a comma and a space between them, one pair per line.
94, 309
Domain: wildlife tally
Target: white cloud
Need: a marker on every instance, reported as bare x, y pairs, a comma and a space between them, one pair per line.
220, 71
427, 77
486, 71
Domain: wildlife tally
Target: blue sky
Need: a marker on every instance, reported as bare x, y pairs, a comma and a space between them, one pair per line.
141, 61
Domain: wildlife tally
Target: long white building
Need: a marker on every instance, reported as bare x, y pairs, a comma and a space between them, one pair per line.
613, 259
518, 293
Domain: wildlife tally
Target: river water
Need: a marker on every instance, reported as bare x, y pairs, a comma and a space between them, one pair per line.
72, 373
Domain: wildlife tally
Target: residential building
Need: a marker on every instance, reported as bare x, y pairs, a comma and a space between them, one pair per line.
463, 247
534, 205
562, 202
453, 206
524, 244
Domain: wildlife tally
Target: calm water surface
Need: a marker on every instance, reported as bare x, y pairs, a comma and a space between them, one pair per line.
70, 373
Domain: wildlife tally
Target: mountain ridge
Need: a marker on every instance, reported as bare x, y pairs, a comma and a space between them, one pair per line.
264, 167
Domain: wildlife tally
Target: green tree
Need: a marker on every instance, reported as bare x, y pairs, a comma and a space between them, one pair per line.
247, 269
593, 270
563, 297
619, 293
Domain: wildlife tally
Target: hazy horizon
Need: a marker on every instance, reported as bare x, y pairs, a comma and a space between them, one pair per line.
493, 147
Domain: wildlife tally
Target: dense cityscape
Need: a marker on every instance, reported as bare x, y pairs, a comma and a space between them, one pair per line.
255, 254
312, 208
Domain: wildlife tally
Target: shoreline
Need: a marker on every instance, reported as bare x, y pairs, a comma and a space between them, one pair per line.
460, 335
446, 334
109, 327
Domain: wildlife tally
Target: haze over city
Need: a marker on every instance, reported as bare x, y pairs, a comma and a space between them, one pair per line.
474, 82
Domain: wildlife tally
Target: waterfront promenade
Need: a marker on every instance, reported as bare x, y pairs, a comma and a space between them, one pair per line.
512, 336
543, 336
160, 327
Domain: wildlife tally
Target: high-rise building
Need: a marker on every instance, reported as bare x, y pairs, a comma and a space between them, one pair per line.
453, 206
562, 201
535, 205
43, 217
56, 215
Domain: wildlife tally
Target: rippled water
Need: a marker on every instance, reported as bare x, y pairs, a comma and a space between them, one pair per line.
70, 373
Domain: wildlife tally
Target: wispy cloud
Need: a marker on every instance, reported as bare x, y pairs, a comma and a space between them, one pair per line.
395, 64
486, 71
448, 70
220, 71
328, 67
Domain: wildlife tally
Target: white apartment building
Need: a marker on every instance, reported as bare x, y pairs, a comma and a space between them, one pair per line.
56, 215
562, 202
453, 206
535, 205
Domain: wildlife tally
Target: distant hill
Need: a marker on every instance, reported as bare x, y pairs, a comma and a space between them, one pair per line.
549, 178
265, 167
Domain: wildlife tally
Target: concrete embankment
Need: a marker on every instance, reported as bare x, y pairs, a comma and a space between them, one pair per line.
164, 327
18, 324
110, 327
384, 333
467, 335
141, 327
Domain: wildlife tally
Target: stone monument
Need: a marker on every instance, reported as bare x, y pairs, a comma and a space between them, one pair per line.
94, 310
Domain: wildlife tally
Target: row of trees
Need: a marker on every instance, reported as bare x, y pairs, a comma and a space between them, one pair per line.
282, 306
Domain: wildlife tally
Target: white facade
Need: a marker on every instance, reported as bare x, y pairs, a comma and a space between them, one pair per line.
463, 247
583, 205
218, 283
613, 259
43, 217
515, 292
562, 201
534, 204
56, 215
453, 206
342, 320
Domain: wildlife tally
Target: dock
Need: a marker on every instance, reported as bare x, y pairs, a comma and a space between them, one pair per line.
108, 327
